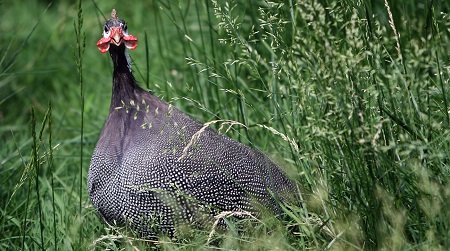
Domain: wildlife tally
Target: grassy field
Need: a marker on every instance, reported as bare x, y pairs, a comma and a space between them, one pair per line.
349, 97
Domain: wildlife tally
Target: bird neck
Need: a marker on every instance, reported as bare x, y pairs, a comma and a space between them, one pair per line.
124, 85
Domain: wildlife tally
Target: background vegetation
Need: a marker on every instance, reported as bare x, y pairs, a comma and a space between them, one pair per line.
350, 97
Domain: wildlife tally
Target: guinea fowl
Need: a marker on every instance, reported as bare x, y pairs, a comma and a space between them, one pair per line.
154, 167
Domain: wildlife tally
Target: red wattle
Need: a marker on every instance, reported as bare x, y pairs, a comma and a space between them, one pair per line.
130, 42
103, 44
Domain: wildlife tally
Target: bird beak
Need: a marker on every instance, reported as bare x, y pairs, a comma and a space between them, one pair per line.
116, 37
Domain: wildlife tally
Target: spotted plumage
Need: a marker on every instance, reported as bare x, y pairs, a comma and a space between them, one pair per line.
149, 172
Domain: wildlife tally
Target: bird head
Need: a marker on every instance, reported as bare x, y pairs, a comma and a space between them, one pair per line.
115, 32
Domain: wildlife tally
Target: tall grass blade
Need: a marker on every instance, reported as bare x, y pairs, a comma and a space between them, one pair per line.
213, 56
36, 167
147, 61
51, 168
80, 37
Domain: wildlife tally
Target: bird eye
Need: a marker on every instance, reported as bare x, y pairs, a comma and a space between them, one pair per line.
106, 31
125, 29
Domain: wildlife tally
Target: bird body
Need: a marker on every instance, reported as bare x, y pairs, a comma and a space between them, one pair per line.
155, 167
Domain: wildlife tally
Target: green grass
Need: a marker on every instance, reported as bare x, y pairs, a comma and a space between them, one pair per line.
350, 98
